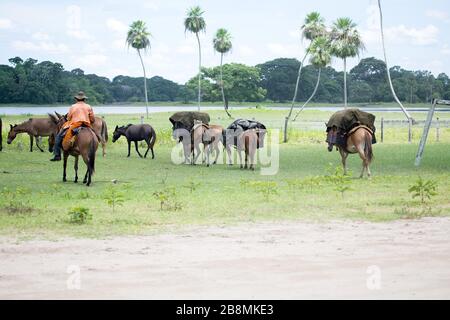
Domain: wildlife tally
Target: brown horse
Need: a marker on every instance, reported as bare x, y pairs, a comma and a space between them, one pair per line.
35, 127
209, 136
99, 127
359, 140
246, 141
85, 145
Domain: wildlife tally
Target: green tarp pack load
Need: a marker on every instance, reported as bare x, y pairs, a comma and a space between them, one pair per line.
187, 118
346, 120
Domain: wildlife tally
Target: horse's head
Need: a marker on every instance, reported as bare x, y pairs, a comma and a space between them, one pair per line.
331, 137
118, 132
11, 134
58, 120
180, 131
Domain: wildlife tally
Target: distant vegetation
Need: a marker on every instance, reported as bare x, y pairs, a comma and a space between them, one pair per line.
27, 81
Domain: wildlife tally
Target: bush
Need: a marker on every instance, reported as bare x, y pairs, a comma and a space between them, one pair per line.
425, 189
79, 215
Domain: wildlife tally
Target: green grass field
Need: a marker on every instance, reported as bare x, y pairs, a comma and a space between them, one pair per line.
34, 202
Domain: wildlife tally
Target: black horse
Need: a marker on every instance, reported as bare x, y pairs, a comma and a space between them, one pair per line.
137, 133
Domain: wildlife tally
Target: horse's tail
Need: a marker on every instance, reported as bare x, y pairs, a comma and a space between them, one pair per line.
152, 137
104, 131
91, 153
368, 153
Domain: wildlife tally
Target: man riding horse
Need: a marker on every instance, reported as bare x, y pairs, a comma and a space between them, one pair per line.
80, 115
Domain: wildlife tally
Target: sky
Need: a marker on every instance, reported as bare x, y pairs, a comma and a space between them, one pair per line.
91, 34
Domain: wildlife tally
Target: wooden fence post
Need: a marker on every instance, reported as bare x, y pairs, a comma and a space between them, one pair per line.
437, 130
142, 119
382, 129
409, 130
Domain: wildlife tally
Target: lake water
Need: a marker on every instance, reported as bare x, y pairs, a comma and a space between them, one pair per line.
114, 109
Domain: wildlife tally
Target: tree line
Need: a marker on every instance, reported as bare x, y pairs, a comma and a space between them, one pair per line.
30, 81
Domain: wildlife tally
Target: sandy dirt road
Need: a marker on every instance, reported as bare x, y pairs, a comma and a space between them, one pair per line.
288, 260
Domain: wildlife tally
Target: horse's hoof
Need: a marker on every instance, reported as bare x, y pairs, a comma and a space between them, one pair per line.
253, 169
64, 180
75, 181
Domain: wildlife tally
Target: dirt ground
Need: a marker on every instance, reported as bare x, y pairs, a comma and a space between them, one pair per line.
290, 260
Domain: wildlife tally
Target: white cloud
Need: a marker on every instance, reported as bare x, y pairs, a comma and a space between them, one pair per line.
445, 49
151, 5
40, 36
283, 50
116, 26
5, 24
90, 60
245, 51
41, 46
424, 36
439, 15
73, 24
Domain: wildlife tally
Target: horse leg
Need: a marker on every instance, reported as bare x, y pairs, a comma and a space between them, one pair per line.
364, 160
246, 159
31, 142
86, 177
103, 147
75, 166
230, 161
137, 149
240, 159
65, 156
216, 149
148, 148
344, 156
38, 141
129, 148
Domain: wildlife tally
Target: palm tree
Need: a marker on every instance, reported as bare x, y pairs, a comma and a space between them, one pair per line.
195, 23
313, 27
346, 43
319, 51
222, 44
408, 116
138, 38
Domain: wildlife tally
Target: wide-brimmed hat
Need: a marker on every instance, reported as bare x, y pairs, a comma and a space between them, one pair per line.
80, 96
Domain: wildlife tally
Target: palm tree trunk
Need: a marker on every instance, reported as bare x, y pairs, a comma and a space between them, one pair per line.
295, 97
221, 86
199, 72
345, 83
408, 116
310, 98
145, 82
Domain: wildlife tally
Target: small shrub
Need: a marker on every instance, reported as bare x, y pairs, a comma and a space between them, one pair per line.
192, 185
83, 195
424, 189
266, 188
167, 199
340, 181
79, 215
13, 202
113, 197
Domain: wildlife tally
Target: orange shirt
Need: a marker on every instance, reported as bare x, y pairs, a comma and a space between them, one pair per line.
80, 112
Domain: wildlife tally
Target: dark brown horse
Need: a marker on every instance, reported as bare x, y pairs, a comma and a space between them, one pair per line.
136, 133
35, 127
208, 135
99, 127
359, 140
85, 145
